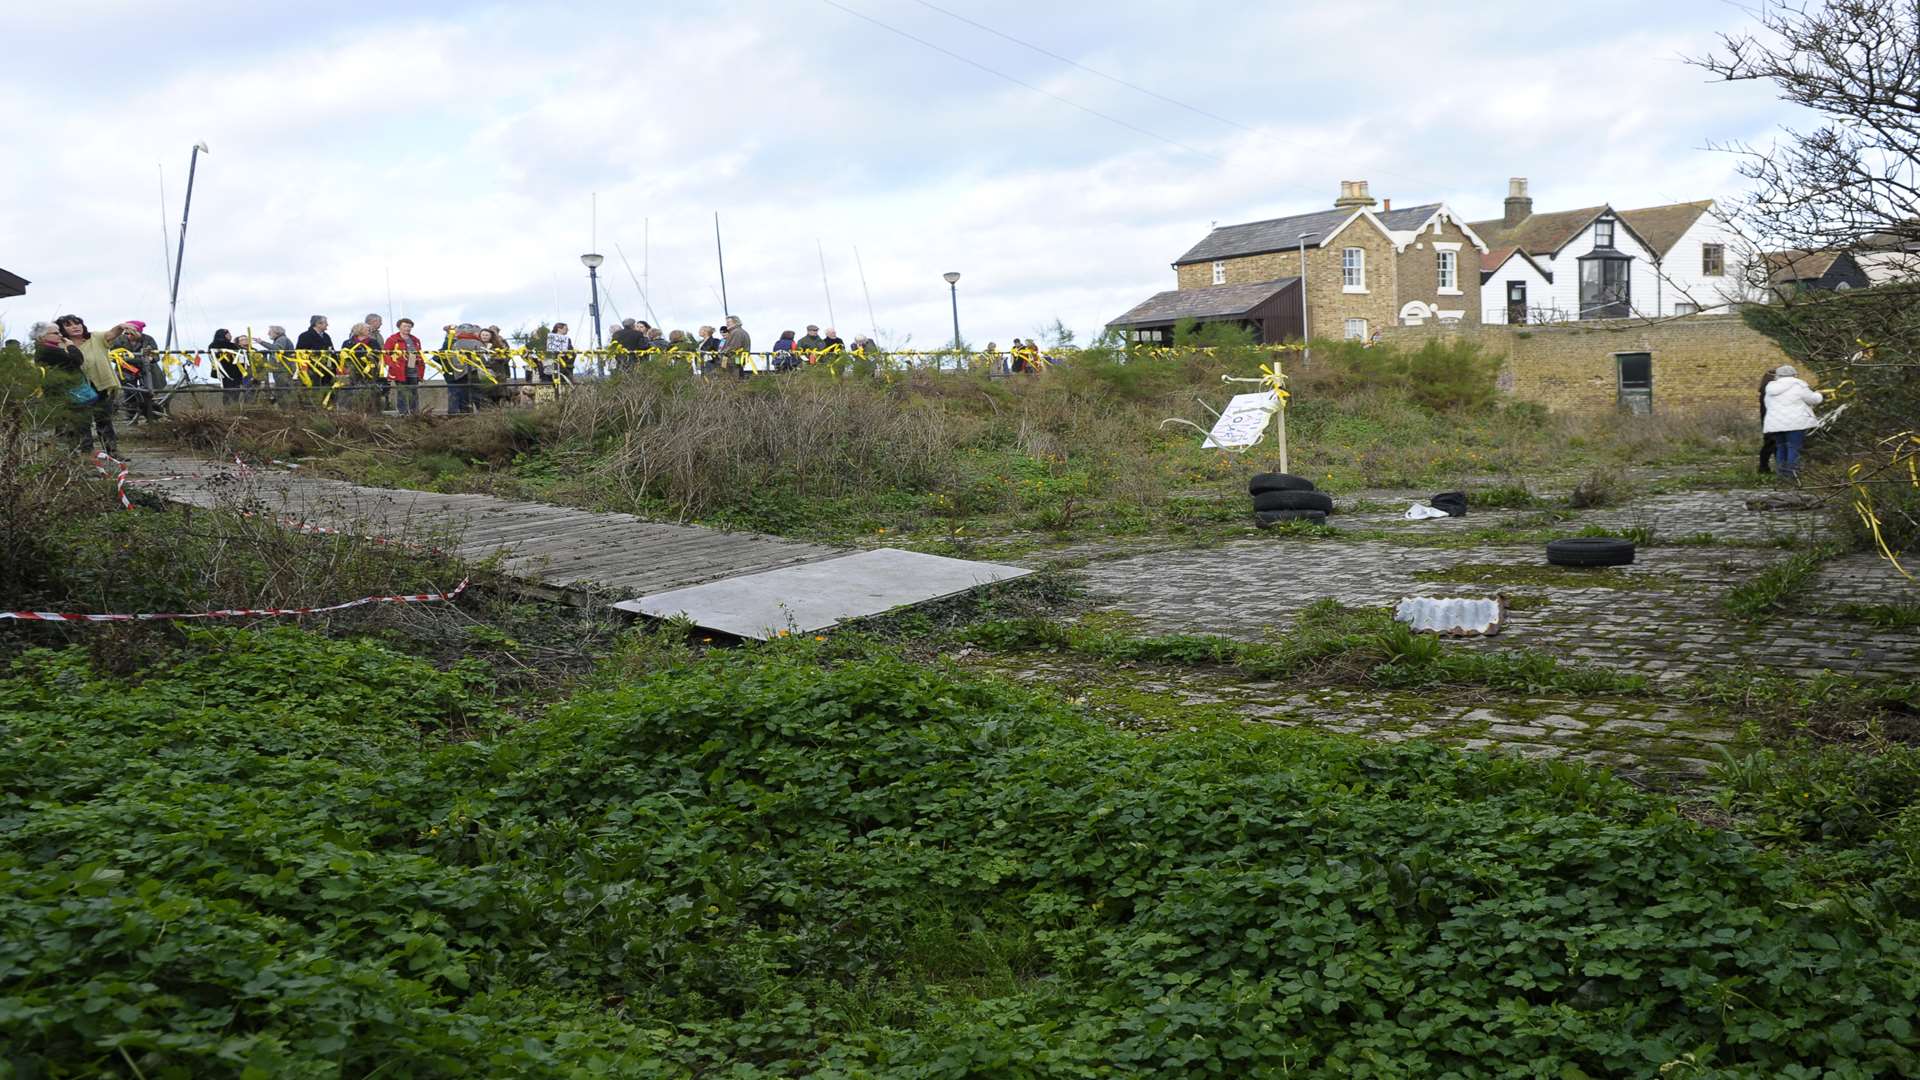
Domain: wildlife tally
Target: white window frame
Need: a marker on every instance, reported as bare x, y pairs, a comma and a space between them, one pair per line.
1353, 270
1685, 307
1219, 271
1447, 271
1356, 324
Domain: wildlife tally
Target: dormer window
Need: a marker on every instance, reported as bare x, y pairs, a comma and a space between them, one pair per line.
1219, 272
1603, 233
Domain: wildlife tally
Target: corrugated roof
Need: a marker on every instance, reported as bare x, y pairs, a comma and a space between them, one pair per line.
1216, 302
1257, 237
1537, 234
1661, 227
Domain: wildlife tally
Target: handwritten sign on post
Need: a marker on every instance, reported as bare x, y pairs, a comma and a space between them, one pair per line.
1244, 421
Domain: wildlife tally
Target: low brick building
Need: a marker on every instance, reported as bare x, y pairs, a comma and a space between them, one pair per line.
1364, 266
1640, 366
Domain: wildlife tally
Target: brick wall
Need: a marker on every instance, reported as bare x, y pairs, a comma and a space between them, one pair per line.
1329, 305
1249, 269
1420, 273
1699, 361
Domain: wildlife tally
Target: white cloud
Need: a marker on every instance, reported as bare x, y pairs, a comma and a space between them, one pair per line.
458, 149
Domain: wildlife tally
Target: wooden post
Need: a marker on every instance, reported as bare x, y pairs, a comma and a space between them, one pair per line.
1280, 434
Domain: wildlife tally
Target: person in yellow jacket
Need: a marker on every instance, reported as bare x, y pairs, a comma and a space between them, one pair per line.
90, 398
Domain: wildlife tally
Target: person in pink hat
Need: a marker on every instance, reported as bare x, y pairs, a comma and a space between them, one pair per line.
140, 384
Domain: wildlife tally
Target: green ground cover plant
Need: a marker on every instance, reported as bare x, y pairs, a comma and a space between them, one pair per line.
268, 858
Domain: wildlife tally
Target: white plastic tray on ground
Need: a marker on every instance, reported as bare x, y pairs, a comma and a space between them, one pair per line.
1453, 616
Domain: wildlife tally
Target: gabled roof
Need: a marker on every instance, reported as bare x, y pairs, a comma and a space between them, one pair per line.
1539, 234
1495, 258
1409, 218
12, 284
1216, 302
1785, 267
1274, 234
1658, 227
1661, 227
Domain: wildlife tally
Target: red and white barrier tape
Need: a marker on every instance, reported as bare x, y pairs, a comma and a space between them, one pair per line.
236, 613
119, 482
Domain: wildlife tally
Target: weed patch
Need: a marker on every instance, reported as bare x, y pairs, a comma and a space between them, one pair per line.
1778, 588
1499, 575
1328, 642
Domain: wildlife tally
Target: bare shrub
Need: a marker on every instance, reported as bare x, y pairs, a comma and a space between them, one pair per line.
696, 446
42, 487
1601, 487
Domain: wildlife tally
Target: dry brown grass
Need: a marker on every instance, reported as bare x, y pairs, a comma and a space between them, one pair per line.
696, 446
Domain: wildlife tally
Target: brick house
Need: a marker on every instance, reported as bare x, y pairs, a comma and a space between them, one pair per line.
1360, 265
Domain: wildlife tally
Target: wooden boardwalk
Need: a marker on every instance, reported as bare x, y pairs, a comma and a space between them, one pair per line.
556, 550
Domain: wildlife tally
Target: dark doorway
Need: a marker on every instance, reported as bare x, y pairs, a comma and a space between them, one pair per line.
1636, 382
1516, 302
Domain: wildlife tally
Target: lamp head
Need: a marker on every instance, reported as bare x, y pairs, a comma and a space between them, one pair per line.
591, 261
951, 276
202, 147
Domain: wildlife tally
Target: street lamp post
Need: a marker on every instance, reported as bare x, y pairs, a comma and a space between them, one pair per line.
592, 263
953, 286
173, 297
1306, 348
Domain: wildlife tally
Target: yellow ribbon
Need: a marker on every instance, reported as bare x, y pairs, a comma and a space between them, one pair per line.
1275, 381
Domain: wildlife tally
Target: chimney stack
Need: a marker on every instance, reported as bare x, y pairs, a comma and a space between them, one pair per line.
1353, 195
1519, 203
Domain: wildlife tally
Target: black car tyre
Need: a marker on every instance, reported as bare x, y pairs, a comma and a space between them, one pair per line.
1590, 551
1294, 500
1269, 518
1278, 481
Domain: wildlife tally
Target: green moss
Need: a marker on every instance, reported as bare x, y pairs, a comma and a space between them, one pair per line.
1563, 577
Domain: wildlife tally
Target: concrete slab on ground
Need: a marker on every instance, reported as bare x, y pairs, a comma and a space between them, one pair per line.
817, 595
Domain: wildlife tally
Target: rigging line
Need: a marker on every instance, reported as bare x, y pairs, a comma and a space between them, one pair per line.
1091, 71
1116, 121
823, 279
644, 298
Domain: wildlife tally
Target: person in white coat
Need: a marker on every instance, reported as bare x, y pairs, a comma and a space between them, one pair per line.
1790, 403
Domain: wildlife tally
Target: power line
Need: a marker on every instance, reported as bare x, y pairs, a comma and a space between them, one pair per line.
1075, 63
1116, 121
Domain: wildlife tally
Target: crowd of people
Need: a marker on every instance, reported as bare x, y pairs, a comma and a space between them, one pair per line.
123, 369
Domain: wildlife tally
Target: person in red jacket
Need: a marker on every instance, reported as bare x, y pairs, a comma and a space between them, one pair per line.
406, 367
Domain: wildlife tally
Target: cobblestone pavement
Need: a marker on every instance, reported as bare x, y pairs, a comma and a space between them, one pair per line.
1662, 616
1724, 515
1650, 742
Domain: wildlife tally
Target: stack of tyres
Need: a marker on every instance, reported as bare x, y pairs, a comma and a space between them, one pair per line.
1284, 497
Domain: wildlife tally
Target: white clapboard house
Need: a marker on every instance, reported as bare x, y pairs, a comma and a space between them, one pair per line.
1600, 263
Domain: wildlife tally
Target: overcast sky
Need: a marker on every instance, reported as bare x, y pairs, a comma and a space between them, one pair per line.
456, 149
